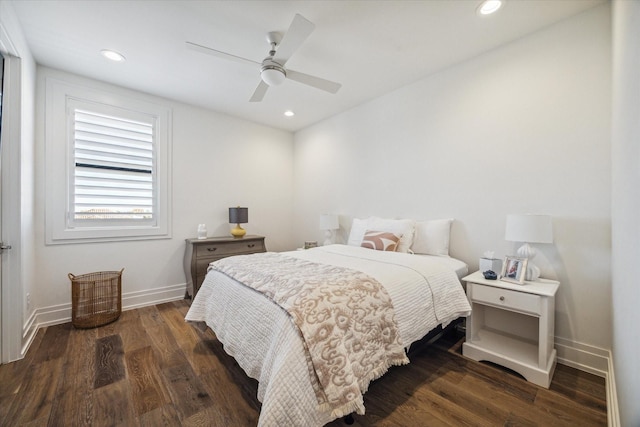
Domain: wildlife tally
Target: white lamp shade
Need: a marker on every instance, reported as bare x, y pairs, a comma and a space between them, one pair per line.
529, 228
329, 222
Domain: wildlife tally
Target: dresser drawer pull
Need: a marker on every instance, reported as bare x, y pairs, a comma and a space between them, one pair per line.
251, 245
211, 249
501, 298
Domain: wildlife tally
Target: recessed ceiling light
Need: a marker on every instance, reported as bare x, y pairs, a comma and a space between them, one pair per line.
289, 113
112, 55
488, 7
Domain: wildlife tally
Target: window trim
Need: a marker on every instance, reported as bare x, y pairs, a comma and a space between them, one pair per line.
60, 96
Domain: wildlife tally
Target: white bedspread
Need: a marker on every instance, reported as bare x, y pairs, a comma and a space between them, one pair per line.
267, 345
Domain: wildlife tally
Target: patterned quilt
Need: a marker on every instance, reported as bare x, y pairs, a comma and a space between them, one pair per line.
266, 342
345, 317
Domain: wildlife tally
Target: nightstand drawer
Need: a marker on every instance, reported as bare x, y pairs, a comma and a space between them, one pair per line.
513, 300
227, 249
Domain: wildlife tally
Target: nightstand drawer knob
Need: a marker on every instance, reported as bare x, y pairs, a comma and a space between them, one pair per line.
211, 249
252, 245
501, 298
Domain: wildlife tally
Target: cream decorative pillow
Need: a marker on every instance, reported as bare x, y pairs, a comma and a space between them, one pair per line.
380, 240
402, 227
432, 237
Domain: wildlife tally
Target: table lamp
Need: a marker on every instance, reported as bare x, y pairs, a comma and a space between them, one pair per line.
529, 228
328, 222
238, 216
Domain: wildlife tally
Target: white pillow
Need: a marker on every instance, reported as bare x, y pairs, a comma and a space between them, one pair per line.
358, 228
401, 227
432, 237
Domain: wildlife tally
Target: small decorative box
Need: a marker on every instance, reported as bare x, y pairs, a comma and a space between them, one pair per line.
310, 244
493, 264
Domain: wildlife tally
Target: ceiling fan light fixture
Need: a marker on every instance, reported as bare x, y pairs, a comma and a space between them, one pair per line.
273, 76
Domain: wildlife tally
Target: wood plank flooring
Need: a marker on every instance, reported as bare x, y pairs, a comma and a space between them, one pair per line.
151, 368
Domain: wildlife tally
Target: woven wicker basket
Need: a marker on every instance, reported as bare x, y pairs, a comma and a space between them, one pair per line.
96, 298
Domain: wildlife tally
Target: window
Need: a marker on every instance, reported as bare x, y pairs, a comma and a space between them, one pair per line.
108, 166
113, 169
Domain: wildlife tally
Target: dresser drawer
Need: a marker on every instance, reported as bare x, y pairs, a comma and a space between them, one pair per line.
199, 253
511, 300
226, 249
202, 265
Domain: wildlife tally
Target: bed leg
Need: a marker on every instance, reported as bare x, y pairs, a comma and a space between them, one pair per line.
349, 419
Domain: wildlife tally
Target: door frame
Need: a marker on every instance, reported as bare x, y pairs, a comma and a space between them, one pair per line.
10, 227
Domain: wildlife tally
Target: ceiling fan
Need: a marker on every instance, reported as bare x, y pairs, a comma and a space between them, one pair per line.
272, 71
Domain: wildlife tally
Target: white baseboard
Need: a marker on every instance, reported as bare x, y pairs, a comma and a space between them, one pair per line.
613, 412
594, 360
155, 296
61, 313
29, 331
585, 357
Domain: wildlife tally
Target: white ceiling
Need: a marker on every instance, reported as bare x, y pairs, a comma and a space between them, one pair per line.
371, 47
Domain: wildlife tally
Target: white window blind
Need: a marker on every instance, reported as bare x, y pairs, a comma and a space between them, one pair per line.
114, 176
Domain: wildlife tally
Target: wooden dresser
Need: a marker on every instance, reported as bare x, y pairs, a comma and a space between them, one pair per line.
200, 252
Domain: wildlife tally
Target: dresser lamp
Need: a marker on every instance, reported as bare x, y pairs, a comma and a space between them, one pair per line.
528, 228
328, 222
238, 216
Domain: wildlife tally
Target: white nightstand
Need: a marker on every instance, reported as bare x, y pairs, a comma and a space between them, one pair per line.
512, 325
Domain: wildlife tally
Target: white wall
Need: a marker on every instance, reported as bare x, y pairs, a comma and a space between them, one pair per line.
523, 128
626, 205
218, 161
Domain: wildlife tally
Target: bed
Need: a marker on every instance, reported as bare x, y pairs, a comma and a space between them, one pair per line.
268, 344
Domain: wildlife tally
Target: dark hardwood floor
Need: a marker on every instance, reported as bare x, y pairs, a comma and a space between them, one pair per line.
151, 368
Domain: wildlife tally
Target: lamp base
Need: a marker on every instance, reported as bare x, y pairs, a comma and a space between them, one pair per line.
533, 272
328, 238
238, 232
529, 252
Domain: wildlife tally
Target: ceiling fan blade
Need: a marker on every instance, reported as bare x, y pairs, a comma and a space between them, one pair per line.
259, 92
297, 33
220, 54
317, 82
